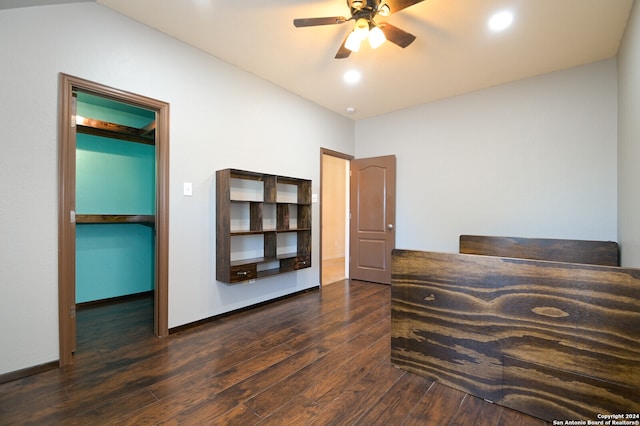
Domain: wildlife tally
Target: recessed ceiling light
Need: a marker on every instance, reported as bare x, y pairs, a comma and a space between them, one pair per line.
501, 21
352, 76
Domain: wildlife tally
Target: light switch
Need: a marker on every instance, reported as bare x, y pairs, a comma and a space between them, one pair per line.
314, 198
188, 189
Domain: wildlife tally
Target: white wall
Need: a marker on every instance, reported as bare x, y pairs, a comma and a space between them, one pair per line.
220, 117
533, 158
629, 142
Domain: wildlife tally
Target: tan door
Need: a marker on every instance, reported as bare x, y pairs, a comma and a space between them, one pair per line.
373, 214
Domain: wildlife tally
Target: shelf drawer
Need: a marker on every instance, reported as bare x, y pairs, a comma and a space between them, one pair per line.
294, 263
243, 273
301, 262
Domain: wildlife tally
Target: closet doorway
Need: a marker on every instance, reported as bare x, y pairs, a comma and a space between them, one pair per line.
96, 150
334, 212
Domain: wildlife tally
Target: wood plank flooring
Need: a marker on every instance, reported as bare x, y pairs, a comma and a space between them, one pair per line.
318, 358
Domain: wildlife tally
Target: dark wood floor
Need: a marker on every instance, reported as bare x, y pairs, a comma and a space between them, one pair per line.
319, 358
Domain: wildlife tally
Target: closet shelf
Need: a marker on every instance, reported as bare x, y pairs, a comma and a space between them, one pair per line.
116, 218
90, 126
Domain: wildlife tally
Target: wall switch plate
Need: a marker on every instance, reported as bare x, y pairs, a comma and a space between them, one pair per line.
188, 189
314, 198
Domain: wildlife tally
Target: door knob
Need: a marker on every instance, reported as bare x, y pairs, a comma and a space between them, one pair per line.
390, 226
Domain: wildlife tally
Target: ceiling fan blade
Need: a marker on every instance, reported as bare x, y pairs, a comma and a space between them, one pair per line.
343, 52
311, 22
396, 5
396, 35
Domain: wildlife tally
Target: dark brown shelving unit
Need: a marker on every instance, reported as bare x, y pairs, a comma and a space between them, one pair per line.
263, 225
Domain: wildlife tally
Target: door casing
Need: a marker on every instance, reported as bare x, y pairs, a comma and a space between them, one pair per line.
66, 205
346, 157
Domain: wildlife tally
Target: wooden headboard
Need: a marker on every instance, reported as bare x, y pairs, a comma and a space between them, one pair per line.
604, 253
522, 322
552, 339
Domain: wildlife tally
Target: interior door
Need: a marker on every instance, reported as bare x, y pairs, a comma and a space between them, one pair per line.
373, 214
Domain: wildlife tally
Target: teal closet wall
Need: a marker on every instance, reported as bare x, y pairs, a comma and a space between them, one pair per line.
114, 177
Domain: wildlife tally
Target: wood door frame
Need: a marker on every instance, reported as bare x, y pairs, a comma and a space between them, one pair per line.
66, 205
347, 157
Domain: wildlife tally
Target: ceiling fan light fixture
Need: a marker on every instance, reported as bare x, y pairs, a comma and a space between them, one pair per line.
362, 28
353, 42
363, 13
376, 37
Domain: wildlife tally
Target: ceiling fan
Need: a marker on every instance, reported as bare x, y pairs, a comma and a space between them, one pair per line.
363, 13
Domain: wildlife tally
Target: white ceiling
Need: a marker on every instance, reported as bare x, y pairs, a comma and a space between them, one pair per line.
454, 52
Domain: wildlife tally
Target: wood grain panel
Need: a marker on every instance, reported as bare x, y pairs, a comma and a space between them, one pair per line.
223, 219
533, 388
573, 251
455, 317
